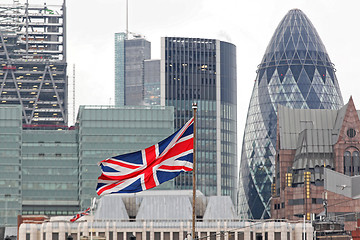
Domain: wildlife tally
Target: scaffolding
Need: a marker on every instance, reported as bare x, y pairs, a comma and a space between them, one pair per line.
33, 62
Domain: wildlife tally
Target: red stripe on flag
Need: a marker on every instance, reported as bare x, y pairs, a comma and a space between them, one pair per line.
103, 189
121, 164
179, 148
166, 167
150, 160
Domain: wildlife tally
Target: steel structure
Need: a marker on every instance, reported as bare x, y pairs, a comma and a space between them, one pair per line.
33, 62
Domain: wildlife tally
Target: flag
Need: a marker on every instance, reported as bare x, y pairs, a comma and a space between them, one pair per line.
79, 215
145, 169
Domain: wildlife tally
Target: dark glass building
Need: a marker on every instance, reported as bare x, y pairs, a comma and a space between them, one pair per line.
152, 82
295, 71
204, 71
130, 54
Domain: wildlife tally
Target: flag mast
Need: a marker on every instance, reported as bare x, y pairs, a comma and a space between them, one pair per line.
194, 107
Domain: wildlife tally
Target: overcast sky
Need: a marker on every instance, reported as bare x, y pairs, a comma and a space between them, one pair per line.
249, 25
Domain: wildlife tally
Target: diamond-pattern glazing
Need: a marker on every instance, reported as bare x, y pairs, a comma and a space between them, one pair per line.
295, 71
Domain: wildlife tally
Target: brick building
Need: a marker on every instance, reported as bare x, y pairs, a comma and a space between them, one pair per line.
309, 140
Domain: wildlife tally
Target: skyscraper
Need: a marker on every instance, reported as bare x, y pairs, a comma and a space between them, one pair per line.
204, 71
33, 62
130, 54
295, 71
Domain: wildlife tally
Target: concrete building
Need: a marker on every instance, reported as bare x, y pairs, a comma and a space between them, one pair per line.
204, 71
152, 215
296, 72
309, 141
33, 62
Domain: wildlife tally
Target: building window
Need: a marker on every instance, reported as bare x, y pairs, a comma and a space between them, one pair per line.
157, 235
351, 163
240, 235
55, 236
351, 133
277, 235
259, 236
120, 235
347, 163
356, 162
231, 236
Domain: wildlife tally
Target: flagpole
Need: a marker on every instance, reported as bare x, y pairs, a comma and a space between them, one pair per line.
194, 107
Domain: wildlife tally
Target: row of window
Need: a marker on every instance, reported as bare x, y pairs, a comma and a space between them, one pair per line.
165, 235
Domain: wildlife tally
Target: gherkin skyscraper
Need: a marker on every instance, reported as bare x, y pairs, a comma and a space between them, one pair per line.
295, 71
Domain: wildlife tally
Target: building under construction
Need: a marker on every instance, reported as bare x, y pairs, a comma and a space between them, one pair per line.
33, 62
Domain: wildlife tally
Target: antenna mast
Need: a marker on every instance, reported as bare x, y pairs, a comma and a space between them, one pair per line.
127, 19
74, 94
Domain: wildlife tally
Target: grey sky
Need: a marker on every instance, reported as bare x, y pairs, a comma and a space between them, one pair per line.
248, 24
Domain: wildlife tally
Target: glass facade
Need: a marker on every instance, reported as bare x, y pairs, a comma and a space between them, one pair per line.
50, 172
295, 71
119, 68
106, 131
204, 71
152, 82
33, 69
129, 69
10, 164
54, 172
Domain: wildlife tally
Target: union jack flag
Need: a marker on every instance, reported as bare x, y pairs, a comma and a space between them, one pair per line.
145, 169
79, 215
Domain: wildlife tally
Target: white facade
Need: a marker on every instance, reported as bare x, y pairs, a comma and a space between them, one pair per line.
166, 230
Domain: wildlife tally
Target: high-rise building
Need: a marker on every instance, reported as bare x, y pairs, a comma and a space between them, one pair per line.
33, 62
296, 72
204, 71
152, 82
54, 172
130, 54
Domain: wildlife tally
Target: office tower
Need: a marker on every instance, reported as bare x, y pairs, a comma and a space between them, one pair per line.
296, 72
152, 82
10, 164
130, 53
107, 131
204, 71
33, 62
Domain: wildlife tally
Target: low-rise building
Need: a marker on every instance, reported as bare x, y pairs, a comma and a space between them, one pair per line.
164, 215
309, 141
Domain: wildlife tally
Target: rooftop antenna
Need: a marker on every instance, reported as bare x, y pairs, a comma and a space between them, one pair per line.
74, 94
127, 19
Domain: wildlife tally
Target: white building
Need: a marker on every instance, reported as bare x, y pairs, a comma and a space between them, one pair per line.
153, 216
